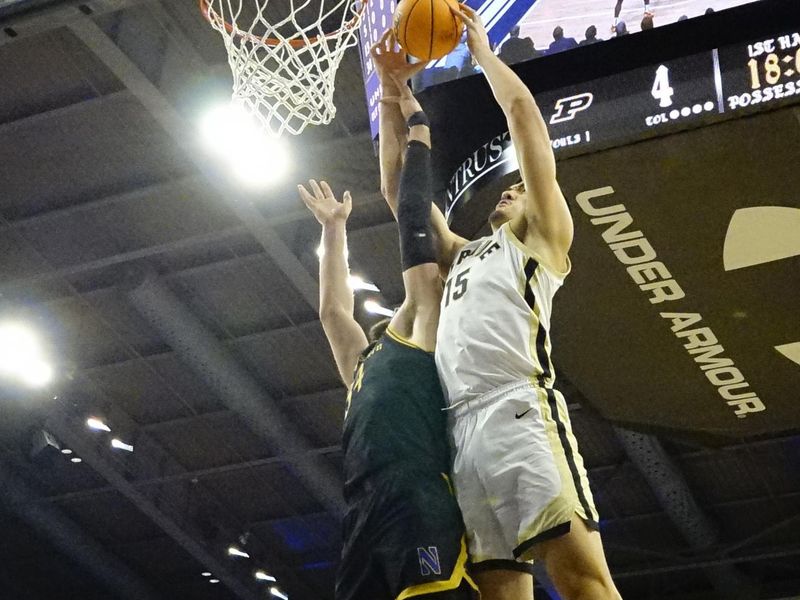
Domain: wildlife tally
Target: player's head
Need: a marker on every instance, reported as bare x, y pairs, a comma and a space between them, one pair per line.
514, 31
377, 330
558, 33
591, 32
511, 205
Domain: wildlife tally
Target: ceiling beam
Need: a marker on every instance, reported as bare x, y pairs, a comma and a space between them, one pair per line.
66, 428
58, 14
26, 283
177, 127
69, 538
196, 474
235, 386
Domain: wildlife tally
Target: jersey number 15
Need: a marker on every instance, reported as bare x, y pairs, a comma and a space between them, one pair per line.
455, 287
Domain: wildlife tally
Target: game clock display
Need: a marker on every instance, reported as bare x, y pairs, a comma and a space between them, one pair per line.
668, 96
772, 71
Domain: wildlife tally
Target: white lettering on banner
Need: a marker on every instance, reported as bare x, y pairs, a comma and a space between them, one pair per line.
632, 249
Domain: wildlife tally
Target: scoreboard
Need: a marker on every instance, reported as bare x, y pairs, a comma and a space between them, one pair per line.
637, 103
655, 100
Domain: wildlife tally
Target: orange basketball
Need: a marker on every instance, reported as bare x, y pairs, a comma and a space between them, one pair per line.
426, 29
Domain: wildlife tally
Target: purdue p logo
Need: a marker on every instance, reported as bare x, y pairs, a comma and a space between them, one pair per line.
567, 108
429, 561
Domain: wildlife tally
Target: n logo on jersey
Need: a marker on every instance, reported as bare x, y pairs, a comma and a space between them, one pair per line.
429, 561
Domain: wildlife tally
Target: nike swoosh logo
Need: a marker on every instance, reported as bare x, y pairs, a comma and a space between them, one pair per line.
519, 416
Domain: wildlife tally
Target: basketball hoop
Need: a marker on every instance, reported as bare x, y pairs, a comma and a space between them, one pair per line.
283, 62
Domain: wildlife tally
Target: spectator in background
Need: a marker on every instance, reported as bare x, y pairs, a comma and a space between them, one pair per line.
683, 18
560, 43
621, 29
591, 36
516, 49
647, 22
459, 57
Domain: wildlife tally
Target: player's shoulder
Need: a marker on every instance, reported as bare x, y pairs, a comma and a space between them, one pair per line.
537, 252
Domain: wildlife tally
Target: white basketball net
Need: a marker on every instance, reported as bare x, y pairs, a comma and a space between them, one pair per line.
283, 71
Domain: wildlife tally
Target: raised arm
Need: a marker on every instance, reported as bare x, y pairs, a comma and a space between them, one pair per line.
394, 70
345, 336
546, 209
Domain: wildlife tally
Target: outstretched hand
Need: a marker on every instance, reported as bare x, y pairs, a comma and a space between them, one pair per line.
323, 204
391, 61
477, 38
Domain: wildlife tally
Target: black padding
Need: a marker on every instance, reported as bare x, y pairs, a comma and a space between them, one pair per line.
418, 118
414, 207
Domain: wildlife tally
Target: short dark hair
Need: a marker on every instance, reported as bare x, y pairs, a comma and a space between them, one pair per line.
558, 33
591, 32
647, 23
378, 329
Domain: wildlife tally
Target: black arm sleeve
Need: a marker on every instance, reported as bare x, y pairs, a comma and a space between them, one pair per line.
414, 207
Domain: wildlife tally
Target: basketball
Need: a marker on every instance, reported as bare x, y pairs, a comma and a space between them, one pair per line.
426, 29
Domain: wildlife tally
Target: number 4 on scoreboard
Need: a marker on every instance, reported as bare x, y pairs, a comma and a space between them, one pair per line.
662, 91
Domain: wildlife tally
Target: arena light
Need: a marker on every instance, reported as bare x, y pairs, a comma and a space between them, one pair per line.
120, 445
278, 594
66, 451
213, 581
356, 283
261, 576
206, 573
21, 356
374, 308
76, 460
97, 425
234, 551
235, 137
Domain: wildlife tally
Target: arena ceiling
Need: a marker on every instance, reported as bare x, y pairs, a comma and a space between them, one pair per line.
182, 310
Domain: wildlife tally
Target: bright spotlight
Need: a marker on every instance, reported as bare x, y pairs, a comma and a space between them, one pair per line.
213, 581
261, 576
376, 309
234, 551
66, 451
36, 373
233, 135
76, 460
278, 594
97, 425
21, 355
357, 283
206, 573
120, 445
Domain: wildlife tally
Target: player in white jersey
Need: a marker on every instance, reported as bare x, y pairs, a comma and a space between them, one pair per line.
519, 479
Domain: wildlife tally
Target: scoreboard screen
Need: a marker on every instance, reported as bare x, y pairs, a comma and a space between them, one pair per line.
655, 100
533, 21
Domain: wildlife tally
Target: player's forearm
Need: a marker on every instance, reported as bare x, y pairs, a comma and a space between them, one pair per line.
335, 293
391, 142
507, 87
522, 114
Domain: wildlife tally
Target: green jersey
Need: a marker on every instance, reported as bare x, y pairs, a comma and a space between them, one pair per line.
394, 414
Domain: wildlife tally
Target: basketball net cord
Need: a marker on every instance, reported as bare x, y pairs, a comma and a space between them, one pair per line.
283, 71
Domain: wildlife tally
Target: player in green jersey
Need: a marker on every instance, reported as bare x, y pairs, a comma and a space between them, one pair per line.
403, 532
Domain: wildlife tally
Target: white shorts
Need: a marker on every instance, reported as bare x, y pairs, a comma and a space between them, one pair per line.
517, 473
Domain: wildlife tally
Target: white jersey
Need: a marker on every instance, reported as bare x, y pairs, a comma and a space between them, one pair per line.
495, 318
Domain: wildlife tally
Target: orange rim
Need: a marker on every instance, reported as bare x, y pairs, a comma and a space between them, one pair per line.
212, 17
